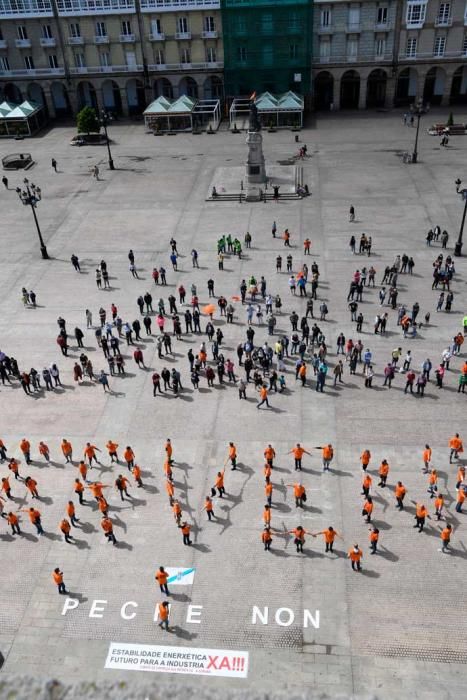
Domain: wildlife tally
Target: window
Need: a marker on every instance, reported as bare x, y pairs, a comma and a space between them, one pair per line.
352, 48
156, 27
209, 24
28, 62
211, 55
183, 25
411, 47
22, 33
440, 46
354, 15
294, 22
79, 60
267, 55
416, 13
4, 63
126, 27
241, 54
324, 49
75, 29
293, 52
464, 46
266, 24
53, 61
382, 15
325, 18
101, 29
104, 59
240, 24
160, 58
46, 31
185, 56
380, 47
444, 13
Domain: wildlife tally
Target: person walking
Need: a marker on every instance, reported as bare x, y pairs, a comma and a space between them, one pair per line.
107, 527
57, 577
162, 577
54, 164
355, 555
163, 610
185, 528
263, 396
374, 537
209, 507
421, 513
400, 492
446, 535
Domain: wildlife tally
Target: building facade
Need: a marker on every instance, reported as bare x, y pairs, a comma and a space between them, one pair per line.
113, 54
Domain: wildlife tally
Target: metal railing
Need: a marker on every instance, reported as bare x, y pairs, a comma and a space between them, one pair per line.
36, 72
106, 69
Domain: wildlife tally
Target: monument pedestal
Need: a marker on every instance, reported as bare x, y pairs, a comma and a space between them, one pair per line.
255, 176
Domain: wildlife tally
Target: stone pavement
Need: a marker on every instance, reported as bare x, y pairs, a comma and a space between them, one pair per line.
395, 628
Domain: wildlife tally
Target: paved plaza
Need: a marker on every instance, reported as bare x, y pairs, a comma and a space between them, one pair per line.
397, 629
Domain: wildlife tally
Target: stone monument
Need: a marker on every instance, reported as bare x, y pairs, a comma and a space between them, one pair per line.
255, 176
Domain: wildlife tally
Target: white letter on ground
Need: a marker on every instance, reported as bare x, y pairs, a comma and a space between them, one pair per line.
69, 604
286, 623
308, 617
97, 609
192, 612
262, 616
123, 612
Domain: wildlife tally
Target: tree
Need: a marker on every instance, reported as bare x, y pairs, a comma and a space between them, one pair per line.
87, 121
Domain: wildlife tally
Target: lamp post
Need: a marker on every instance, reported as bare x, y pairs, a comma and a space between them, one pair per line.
463, 194
32, 195
417, 110
104, 120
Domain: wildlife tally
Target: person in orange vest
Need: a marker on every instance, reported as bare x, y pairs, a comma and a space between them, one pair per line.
298, 451
232, 455
209, 508
302, 373
267, 471
164, 613
162, 577
219, 484
439, 505
35, 519
266, 539
136, 471
299, 540
96, 489
83, 471
90, 453
107, 526
112, 448
400, 492
368, 508
446, 538
366, 485
12, 520
57, 576
121, 484
355, 555
13, 466
329, 536
267, 515
169, 487
374, 537
299, 493
25, 447
269, 455
433, 483
168, 471
71, 512
460, 499
67, 450
287, 238
420, 514
268, 489
263, 396
177, 511
365, 458
460, 476
129, 457
383, 473
65, 528
327, 453
426, 457
169, 451
103, 505
79, 490
186, 528
31, 485
44, 451
6, 488
456, 446
306, 246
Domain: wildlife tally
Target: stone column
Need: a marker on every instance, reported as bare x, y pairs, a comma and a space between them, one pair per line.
124, 98
49, 103
362, 94
447, 90
391, 85
336, 98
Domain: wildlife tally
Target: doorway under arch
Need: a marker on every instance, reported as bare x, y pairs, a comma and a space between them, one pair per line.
323, 90
350, 90
376, 88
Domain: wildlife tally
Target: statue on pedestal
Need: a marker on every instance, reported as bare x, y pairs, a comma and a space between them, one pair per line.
254, 124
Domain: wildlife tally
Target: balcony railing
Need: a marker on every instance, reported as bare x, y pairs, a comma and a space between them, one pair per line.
383, 26
12, 9
447, 54
341, 58
353, 27
3, 44
161, 67
47, 41
32, 72
157, 37
75, 40
23, 43
106, 69
443, 21
182, 35
101, 39
325, 29
127, 38
209, 35
94, 7
174, 5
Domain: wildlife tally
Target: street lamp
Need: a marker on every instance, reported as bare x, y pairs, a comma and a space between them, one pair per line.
32, 195
463, 194
417, 110
104, 120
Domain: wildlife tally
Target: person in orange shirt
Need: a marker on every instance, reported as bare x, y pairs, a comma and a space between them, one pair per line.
299, 493
162, 577
355, 555
268, 489
298, 451
266, 539
79, 490
426, 457
65, 529
219, 483
306, 247
460, 476
446, 537
327, 453
136, 471
70, 511
263, 396
106, 525
164, 612
12, 520
302, 373
400, 492
96, 488
13, 466
112, 448
383, 473
460, 499
25, 447
269, 455
299, 540
169, 451
365, 458
420, 514
3, 451
186, 528
169, 487
366, 485
67, 450
433, 483
267, 470
455, 443
267, 515
168, 470
439, 505
368, 508
57, 576
90, 453
209, 508
44, 451
129, 457
121, 484
35, 519
232, 455
103, 506
6, 486
329, 536
31, 485
177, 511
374, 537
83, 471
